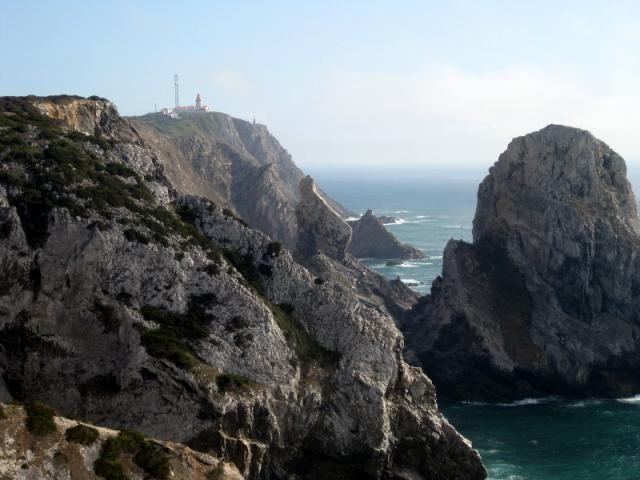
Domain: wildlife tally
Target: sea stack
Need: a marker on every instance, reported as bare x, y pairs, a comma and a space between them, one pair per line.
546, 299
371, 239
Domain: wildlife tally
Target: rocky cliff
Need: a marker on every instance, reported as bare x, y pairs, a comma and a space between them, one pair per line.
324, 240
371, 239
232, 162
546, 298
128, 305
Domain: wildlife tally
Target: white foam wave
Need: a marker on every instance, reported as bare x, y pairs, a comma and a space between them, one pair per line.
633, 400
402, 221
458, 227
351, 219
584, 403
401, 211
435, 257
528, 401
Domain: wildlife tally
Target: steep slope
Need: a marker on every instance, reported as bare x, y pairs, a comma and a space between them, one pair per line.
371, 239
323, 246
52, 448
231, 162
546, 299
130, 306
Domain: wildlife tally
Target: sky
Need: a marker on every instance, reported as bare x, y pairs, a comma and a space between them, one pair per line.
357, 84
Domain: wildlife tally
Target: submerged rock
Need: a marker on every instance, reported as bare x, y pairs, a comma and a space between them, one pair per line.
546, 298
386, 219
371, 239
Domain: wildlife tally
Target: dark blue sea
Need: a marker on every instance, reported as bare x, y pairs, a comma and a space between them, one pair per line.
535, 439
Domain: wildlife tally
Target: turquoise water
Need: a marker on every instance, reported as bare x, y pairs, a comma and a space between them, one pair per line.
554, 439
542, 439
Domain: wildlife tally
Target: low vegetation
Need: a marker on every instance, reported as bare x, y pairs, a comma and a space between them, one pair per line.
307, 348
46, 167
82, 434
232, 382
40, 419
147, 454
3, 414
175, 330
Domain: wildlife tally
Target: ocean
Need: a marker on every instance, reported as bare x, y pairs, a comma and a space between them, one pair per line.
534, 439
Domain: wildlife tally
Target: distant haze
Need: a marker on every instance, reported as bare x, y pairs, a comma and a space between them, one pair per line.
348, 83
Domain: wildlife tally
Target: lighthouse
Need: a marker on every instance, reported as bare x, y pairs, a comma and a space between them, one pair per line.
198, 102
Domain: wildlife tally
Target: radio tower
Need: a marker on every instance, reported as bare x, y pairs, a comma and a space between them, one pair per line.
177, 89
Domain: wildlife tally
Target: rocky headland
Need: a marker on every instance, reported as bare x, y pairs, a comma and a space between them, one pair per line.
545, 300
129, 304
371, 239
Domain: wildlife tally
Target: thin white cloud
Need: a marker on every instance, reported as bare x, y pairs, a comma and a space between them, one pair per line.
447, 114
232, 82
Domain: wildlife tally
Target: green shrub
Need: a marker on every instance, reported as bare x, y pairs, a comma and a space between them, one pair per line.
230, 381
3, 414
153, 459
148, 455
273, 250
40, 418
133, 235
108, 463
306, 347
161, 343
245, 266
169, 340
82, 434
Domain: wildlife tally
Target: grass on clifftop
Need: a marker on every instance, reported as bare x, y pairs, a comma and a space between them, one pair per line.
40, 419
147, 454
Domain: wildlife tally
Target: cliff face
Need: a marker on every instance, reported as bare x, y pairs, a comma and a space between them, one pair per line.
545, 300
130, 306
371, 239
232, 162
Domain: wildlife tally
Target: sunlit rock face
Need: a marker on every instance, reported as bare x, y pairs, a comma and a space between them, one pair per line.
545, 300
129, 305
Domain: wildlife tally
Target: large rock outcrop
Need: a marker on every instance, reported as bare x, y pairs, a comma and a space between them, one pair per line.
547, 298
371, 239
232, 162
324, 240
127, 305
321, 230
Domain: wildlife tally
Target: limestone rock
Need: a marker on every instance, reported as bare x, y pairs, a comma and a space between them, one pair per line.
371, 239
320, 227
546, 299
234, 163
127, 305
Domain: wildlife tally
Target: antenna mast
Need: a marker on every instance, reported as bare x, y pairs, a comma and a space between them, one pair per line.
177, 89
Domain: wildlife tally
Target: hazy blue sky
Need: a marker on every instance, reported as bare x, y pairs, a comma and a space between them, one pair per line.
347, 83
